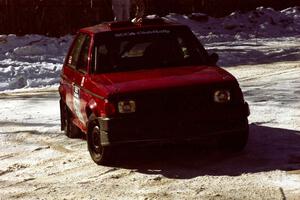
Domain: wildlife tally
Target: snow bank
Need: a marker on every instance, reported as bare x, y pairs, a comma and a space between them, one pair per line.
31, 60
260, 23
35, 61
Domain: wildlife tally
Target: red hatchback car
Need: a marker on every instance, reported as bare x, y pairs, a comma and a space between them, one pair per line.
125, 83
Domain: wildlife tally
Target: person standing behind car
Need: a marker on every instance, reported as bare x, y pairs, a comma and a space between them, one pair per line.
140, 10
121, 9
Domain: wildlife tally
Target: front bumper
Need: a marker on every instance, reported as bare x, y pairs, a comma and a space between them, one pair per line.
210, 123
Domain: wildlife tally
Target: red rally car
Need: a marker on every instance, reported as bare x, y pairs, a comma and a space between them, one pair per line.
126, 83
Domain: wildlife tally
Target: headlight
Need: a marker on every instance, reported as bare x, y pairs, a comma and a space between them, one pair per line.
127, 106
222, 96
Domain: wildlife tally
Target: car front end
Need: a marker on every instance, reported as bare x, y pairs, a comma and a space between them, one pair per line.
174, 112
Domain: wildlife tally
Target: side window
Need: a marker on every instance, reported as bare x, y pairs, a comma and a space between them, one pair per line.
184, 48
74, 55
101, 60
82, 62
78, 57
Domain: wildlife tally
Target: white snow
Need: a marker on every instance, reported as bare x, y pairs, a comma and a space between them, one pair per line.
31, 61
261, 48
260, 23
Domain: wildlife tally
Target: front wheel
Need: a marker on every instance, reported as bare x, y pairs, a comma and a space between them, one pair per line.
100, 154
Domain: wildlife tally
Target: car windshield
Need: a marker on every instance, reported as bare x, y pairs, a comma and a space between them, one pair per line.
147, 49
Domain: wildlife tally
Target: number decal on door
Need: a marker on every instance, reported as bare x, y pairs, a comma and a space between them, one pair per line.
76, 102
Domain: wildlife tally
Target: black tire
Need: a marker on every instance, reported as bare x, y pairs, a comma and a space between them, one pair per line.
62, 115
71, 130
237, 141
100, 154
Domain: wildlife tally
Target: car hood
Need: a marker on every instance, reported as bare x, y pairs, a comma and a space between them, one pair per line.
154, 79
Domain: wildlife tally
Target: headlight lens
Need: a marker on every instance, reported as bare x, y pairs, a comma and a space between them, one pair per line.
222, 96
127, 106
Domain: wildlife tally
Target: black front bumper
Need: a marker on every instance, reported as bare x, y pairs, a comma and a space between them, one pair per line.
210, 123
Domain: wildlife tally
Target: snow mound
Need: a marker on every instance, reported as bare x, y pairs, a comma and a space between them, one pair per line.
259, 23
31, 60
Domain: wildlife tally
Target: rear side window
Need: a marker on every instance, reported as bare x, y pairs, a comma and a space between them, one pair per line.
101, 60
78, 57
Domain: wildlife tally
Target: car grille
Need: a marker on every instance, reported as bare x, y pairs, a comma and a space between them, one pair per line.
173, 101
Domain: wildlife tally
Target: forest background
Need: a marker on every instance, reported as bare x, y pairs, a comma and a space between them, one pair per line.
61, 17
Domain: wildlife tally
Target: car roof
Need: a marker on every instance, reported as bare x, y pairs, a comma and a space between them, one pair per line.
128, 25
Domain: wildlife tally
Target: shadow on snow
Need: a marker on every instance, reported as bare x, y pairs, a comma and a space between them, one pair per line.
268, 149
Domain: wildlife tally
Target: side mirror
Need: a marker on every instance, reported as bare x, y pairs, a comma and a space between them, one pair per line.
213, 58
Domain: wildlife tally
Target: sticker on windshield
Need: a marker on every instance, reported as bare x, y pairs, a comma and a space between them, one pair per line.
126, 34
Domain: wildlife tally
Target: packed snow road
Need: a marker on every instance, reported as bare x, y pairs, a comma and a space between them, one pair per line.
38, 162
